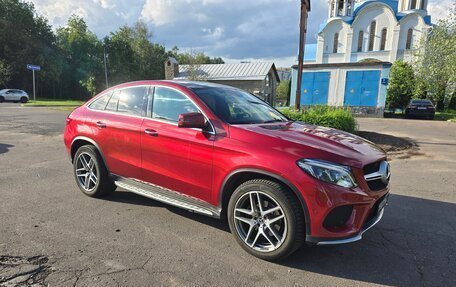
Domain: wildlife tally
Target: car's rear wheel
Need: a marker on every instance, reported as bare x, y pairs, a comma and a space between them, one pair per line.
24, 100
266, 219
90, 172
2, 99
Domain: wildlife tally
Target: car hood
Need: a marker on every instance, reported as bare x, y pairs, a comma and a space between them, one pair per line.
339, 146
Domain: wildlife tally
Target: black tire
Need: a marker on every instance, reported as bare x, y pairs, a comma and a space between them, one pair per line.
2, 99
104, 184
294, 233
24, 100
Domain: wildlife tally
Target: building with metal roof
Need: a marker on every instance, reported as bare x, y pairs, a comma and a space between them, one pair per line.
260, 79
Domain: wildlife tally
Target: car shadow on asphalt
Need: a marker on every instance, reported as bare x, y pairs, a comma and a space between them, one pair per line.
4, 148
132, 198
414, 245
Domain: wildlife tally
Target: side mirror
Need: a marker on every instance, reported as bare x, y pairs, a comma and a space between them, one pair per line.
191, 120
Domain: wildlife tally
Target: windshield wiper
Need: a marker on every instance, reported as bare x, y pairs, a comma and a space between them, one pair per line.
273, 121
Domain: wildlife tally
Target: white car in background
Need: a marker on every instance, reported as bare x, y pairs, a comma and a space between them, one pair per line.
13, 95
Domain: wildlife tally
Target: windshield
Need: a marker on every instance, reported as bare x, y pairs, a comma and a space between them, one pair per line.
237, 107
421, 102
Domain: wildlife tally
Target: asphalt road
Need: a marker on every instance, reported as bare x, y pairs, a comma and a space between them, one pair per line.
51, 234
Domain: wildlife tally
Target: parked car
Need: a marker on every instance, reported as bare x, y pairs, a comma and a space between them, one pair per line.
13, 95
222, 152
420, 108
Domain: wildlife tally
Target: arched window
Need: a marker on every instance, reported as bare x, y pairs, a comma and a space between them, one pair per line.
413, 5
383, 39
372, 35
360, 41
336, 42
408, 44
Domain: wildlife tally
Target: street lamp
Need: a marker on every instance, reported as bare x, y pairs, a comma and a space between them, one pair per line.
305, 8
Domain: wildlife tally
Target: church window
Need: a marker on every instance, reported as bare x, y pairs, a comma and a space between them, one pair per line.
383, 39
372, 35
413, 5
360, 41
408, 44
336, 42
423, 4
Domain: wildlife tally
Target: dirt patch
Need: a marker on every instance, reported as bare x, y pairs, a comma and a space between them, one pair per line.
23, 271
394, 146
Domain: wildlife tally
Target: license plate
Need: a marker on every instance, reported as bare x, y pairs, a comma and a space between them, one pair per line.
383, 203
422, 108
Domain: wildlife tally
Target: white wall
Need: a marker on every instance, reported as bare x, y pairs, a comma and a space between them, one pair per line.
385, 18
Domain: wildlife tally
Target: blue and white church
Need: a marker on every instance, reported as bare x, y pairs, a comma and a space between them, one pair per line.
355, 49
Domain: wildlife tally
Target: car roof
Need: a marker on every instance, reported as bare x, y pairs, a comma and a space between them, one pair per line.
169, 83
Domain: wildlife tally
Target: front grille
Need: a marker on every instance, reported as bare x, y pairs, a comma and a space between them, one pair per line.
377, 175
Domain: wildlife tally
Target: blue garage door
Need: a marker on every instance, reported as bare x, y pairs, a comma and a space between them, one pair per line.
361, 88
315, 87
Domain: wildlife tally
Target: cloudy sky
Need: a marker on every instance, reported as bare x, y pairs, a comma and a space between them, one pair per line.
233, 29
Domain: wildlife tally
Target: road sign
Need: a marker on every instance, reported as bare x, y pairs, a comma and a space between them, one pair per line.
33, 67
385, 81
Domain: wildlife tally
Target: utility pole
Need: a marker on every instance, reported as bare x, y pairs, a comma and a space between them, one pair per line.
305, 8
105, 65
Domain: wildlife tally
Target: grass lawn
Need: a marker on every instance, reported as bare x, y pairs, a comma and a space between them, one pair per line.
449, 115
41, 102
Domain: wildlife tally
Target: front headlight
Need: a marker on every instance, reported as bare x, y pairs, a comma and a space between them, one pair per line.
328, 172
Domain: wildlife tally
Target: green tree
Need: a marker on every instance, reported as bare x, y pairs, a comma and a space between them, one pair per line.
132, 55
436, 64
194, 57
5, 73
401, 84
84, 54
283, 91
27, 38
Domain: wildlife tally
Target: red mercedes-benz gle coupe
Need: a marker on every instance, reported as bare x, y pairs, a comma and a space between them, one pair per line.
222, 152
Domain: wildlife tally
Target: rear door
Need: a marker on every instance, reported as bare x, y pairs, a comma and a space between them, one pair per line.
176, 158
116, 130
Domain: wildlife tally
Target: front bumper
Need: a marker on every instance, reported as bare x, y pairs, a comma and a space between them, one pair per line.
357, 237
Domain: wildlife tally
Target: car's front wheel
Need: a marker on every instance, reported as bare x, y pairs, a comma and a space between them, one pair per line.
24, 100
2, 99
266, 219
90, 172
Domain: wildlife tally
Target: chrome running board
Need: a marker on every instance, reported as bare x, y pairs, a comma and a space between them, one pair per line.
168, 196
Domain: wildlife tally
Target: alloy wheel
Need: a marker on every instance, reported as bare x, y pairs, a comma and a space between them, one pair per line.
260, 221
86, 172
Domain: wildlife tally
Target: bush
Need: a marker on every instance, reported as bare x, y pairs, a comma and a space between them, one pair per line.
401, 85
332, 117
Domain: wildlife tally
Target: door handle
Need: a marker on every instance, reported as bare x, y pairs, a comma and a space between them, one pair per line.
101, 124
152, 133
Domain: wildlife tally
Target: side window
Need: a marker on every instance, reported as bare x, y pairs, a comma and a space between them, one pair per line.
112, 105
131, 101
100, 103
168, 104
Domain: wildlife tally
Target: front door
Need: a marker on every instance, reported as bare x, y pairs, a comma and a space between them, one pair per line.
176, 158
